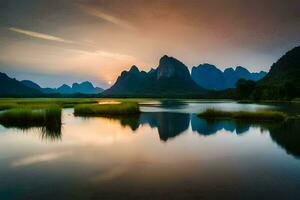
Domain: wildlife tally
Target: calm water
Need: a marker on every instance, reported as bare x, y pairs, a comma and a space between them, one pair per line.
165, 153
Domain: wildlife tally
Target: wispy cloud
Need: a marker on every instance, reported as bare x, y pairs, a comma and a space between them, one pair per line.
39, 35
107, 17
38, 159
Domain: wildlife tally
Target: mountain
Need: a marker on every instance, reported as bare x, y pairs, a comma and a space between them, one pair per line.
31, 84
210, 77
64, 89
13, 87
171, 74
287, 68
171, 78
130, 82
83, 88
86, 88
34, 85
283, 79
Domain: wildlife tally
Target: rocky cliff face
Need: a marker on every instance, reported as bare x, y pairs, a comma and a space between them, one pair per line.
170, 67
170, 78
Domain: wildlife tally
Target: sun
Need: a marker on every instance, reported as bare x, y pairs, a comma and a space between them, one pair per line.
109, 82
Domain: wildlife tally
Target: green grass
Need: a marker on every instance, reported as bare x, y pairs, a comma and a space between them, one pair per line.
123, 108
27, 117
243, 115
42, 103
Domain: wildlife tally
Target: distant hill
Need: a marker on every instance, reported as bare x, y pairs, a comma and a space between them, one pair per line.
210, 77
12, 87
170, 79
83, 88
34, 85
283, 80
86, 87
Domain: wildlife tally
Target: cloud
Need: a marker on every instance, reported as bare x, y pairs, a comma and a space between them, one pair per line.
36, 159
107, 17
39, 35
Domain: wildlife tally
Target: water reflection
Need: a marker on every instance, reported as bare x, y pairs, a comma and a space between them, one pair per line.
171, 103
131, 121
51, 133
209, 127
160, 152
172, 124
287, 136
169, 125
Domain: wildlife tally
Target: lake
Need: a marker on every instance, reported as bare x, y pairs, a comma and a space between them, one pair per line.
166, 152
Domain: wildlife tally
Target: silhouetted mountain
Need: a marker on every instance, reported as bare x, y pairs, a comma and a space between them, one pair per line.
281, 83
13, 87
34, 85
130, 82
64, 89
210, 77
86, 88
31, 84
83, 88
171, 78
283, 80
171, 74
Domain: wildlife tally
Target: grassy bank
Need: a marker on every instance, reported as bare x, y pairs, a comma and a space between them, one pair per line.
49, 117
42, 103
243, 115
123, 108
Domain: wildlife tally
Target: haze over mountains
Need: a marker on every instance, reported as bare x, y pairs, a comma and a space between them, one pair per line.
172, 79
210, 77
83, 88
10, 86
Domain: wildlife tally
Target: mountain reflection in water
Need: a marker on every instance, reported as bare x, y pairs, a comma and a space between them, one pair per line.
171, 125
148, 155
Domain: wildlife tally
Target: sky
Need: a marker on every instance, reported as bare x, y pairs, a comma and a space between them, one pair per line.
66, 41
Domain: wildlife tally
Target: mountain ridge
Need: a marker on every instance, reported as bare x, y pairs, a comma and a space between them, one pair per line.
211, 77
13, 87
283, 79
85, 87
170, 78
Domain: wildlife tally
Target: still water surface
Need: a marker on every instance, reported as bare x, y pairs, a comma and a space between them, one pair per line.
167, 152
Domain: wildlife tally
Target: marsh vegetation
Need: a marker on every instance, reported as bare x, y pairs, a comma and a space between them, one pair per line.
49, 118
42, 103
123, 108
244, 115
